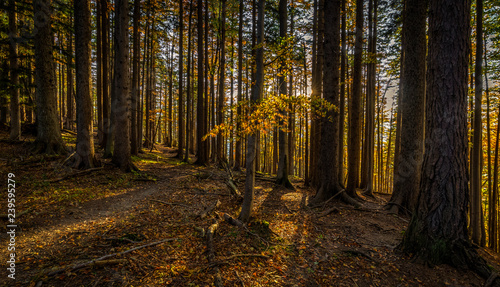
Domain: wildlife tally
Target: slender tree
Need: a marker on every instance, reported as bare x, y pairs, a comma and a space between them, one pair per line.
248, 200
134, 142
201, 109
237, 161
180, 113
355, 107
476, 206
282, 176
15, 113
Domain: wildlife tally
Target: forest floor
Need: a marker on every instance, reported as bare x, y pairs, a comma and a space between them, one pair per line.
73, 218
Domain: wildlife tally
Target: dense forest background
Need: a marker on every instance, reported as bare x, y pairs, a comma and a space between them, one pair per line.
355, 99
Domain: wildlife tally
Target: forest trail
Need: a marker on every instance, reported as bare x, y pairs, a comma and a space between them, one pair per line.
287, 244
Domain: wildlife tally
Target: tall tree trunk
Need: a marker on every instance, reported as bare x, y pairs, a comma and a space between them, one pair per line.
328, 166
85, 157
282, 175
248, 200
15, 114
237, 161
412, 109
69, 88
180, 122
355, 106
134, 142
492, 190
476, 165
343, 70
201, 109
221, 157
99, 73
121, 105
49, 138
437, 232
106, 104
188, 86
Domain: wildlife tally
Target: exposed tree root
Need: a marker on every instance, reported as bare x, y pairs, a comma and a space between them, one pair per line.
285, 182
83, 172
52, 148
94, 262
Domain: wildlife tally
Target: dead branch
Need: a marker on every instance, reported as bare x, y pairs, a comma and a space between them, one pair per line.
232, 221
239, 278
208, 210
170, 203
491, 279
245, 255
357, 252
93, 262
87, 171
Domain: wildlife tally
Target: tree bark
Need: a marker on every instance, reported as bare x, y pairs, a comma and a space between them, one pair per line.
85, 156
49, 138
409, 160
329, 145
476, 165
355, 106
180, 122
248, 200
437, 232
282, 175
15, 113
237, 161
121, 90
134, 142
201, 109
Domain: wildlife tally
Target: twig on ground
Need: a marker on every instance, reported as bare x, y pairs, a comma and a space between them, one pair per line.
171, 203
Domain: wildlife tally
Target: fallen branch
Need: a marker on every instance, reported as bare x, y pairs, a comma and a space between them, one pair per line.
491, 279
93, 262
245, 255
232, 221
208, 210
170, 203
75, 174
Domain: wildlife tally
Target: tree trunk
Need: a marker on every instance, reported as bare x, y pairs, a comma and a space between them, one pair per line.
121, 90
134, 142
180, 123
221, 157
188, 86
282, 175
476, 165
49, 138
85, 157
328, 166
343, 70
409, 160
69, 88
15, 114
237, 161
437, 232
201, 109
246, 208
355, 106
106, 104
